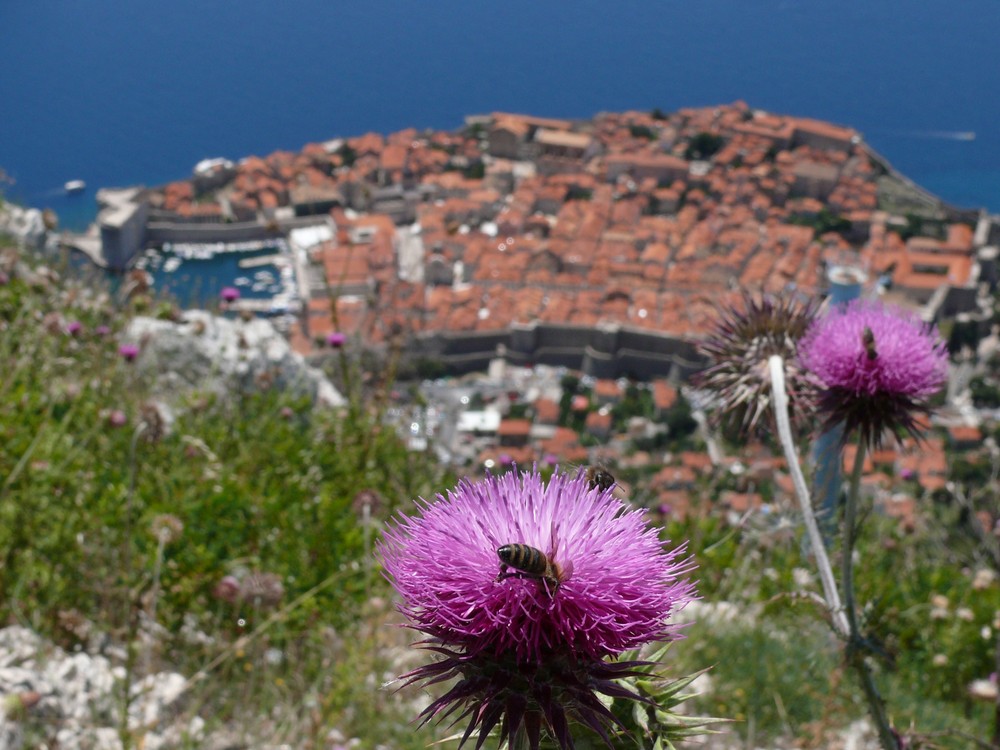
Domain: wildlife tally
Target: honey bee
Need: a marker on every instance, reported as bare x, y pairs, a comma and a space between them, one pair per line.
529, 562
868, 339
525, 561
599, 478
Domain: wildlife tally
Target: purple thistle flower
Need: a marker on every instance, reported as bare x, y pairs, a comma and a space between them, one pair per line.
530, 648
744, 337
102, 330
128, 352
229, 294
878, 366
335, 339
74, 327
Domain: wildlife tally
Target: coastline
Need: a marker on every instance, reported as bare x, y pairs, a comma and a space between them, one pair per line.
629, 223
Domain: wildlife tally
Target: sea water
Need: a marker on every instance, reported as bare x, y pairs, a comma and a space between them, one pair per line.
198, 282
136, 93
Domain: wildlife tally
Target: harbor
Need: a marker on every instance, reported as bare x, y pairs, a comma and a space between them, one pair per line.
195, 274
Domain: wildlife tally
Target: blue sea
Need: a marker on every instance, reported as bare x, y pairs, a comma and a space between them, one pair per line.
121, 93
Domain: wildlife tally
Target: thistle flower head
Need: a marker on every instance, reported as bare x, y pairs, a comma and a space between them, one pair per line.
367, 504
166, 528
745, 336
528, 638
229, 294
262, 589
878, 366
128, 352
335, 339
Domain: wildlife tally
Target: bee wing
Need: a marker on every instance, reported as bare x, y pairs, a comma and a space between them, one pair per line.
619, 492
553, 542
565, 571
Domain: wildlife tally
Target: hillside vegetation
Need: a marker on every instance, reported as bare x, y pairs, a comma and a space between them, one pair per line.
219, 534
227, 539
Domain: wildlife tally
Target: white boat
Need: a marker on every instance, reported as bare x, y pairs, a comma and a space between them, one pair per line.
171, 264
75, 186
242, 281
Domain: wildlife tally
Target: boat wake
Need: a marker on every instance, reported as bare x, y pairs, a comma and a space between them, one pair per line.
945, 135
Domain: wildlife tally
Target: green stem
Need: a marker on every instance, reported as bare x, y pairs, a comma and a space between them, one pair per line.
850, 529
855, 642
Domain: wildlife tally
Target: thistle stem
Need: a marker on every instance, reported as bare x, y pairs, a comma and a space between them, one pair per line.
843, 616
855, 641
780, 402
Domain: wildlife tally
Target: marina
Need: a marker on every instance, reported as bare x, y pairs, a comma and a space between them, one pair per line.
195, 274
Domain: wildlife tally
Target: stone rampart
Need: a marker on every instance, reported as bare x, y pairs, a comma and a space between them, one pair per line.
608, 351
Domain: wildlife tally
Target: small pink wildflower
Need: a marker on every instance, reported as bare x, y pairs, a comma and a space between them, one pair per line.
335, 339
229, 294
227, 589
128, 352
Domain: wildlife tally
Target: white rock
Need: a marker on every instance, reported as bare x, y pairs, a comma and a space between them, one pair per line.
153, 697
86, 682
226, 353
11, 736
25, 224
18, 645
23, 680
88, 738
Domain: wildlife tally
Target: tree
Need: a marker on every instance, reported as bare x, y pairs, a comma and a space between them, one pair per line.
475, 171
679, 419
642, 131
985, 394
704, 146
347, 154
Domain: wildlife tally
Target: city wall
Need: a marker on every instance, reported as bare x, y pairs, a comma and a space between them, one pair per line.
602, 352
158, 232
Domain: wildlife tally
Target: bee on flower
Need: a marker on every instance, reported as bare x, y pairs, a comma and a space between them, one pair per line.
525, 588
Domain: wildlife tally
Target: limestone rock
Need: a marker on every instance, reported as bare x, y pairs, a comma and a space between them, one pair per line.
208, 352
154, 698
17, 645
26, 225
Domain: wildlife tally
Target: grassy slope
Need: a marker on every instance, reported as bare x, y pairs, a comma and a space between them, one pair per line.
265, 484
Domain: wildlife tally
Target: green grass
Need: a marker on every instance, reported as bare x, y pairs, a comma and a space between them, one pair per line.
264, 483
